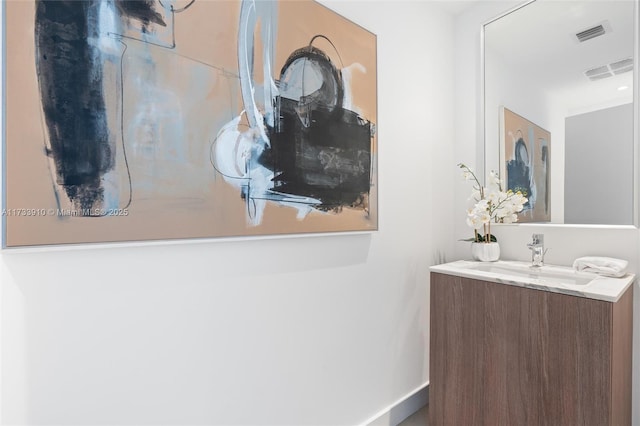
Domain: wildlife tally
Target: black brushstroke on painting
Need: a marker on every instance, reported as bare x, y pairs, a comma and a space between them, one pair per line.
329, 160
519, 173
318, 148
141, 10
547, 179
71, 75
72, 97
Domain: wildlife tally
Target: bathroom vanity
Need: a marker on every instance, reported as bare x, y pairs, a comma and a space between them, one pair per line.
515, 345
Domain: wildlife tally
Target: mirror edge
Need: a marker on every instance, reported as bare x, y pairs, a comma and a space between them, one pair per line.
636, 114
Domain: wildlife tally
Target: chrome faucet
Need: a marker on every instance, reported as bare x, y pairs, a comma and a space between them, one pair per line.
537, 249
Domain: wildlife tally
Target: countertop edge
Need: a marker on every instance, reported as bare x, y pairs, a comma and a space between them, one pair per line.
621, 284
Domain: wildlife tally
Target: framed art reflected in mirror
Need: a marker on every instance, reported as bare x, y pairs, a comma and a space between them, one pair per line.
525, 161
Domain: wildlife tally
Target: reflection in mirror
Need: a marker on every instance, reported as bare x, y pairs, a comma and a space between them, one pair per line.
559, 108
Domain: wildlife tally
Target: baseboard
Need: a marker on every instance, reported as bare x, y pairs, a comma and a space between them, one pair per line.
401, 409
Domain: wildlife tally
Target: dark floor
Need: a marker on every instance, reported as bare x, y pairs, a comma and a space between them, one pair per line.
420, 418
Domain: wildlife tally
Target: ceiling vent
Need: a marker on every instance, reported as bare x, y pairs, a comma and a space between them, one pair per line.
622, 66
593, 32
618, 67
590, 33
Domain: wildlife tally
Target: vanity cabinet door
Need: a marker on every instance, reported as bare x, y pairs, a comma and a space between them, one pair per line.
505, 355
456, 362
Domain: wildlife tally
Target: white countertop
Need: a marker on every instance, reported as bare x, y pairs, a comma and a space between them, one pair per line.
557, 279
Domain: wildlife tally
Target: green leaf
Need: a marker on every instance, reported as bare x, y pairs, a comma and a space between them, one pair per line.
481, 239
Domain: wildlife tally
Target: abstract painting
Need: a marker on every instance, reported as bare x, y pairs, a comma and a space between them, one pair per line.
133, 120
525, 160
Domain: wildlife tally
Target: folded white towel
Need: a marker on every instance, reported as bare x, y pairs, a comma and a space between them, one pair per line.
606, 266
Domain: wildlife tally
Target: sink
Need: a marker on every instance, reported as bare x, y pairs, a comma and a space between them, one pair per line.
544, 274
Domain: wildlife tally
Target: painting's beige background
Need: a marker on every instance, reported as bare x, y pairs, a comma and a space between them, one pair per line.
195, 203
512, 123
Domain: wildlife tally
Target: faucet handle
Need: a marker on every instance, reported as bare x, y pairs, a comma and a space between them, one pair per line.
538, 239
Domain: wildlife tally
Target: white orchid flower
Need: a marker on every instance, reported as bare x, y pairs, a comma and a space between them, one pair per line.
467, 175
510, 218
491, 203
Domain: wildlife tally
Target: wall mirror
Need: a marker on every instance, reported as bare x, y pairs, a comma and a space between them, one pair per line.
560, 108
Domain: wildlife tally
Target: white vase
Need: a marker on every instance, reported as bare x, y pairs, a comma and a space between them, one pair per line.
485, 252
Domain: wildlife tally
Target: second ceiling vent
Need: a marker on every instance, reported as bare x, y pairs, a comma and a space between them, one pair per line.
609, 70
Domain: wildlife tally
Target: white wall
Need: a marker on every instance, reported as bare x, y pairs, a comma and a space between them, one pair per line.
193, 333
599, 161
566, 242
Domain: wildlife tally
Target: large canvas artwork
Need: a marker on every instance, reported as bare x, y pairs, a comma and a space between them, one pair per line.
525, 149
169, 119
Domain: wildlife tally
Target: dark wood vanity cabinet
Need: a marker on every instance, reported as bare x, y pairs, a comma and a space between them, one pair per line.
506, 355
